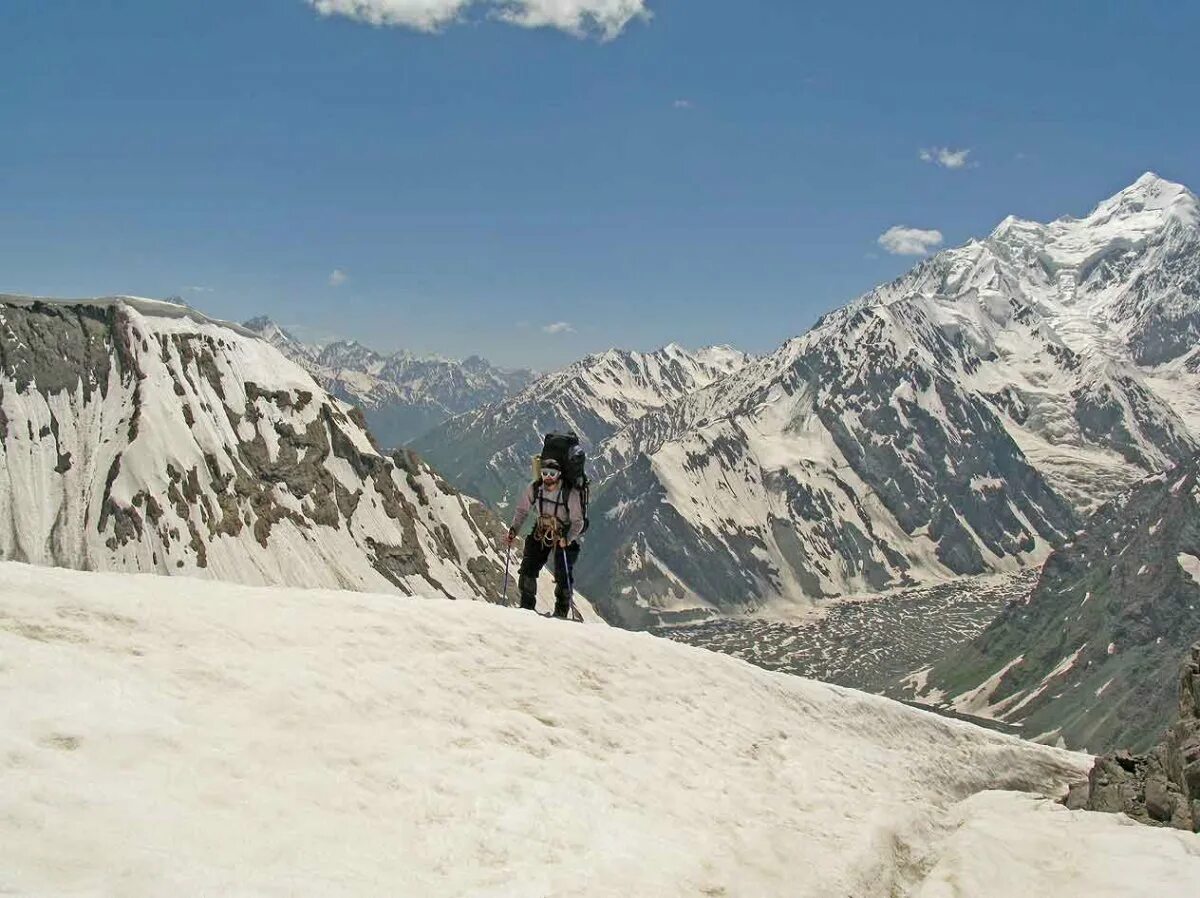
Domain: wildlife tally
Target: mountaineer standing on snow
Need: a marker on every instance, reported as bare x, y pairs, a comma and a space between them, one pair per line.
560, 506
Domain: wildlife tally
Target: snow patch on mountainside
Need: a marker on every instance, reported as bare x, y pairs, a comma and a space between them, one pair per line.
1190, 565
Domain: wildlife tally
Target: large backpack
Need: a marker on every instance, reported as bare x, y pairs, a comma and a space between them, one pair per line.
564, 448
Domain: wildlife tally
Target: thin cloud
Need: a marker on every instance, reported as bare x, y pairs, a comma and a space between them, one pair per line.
558, 327
902, 241
338, 278
605, 19
197, 289
684, 104
946, 157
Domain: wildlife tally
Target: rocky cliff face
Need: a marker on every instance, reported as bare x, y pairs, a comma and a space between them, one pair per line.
140, 436
1162, 786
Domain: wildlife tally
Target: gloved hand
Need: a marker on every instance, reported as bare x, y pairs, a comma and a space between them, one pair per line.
511, 536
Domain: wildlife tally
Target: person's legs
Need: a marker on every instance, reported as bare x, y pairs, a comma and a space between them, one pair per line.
533, 559
563, 577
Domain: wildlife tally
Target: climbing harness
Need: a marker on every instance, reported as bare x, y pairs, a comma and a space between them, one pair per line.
548, 529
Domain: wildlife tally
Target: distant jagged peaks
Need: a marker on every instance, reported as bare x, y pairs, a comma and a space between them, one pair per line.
283, 340
487, 451
402, 394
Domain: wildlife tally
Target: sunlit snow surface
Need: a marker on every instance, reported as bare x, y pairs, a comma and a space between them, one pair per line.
179, 737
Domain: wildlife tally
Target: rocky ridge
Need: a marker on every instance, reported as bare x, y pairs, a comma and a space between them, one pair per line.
140, 435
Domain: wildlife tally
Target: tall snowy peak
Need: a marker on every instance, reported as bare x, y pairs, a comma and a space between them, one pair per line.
1132, 263
487, 452
403, 395
1078, 331
142, 436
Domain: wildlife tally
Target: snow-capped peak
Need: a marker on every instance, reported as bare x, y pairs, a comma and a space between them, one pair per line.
1150, 193
1129, 220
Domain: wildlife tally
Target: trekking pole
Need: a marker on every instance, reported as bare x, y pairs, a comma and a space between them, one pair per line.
575, 615
507, 562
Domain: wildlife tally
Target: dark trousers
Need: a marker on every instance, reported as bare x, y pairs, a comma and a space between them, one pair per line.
533, 559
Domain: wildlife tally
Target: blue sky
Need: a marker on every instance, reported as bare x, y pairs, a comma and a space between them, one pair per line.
709, 172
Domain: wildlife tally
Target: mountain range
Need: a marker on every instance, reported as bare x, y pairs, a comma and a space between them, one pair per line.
488, 451
402, 395
962, 419
1027, 401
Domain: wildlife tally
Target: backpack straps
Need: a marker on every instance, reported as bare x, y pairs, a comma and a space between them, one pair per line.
560, 501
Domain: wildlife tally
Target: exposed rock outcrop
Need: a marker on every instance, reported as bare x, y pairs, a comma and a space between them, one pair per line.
1162, 786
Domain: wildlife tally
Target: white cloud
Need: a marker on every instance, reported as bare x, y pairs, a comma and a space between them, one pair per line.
604, 18
902, 241
558, 327
421, 15
338, 278
684, 104
197, 289
607, 18
945, 157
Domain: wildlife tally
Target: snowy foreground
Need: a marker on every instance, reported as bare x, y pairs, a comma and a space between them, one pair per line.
180, 737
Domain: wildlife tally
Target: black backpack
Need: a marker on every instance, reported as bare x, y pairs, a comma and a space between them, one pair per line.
564, 448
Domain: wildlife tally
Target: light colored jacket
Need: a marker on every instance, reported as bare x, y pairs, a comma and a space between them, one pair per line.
551, 502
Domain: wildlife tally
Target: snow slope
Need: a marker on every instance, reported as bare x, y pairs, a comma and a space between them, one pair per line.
140, 435
187, 738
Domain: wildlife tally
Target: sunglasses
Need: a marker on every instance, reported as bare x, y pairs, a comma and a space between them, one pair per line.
551, 473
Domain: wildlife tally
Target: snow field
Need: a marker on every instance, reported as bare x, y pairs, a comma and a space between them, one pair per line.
172, 736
